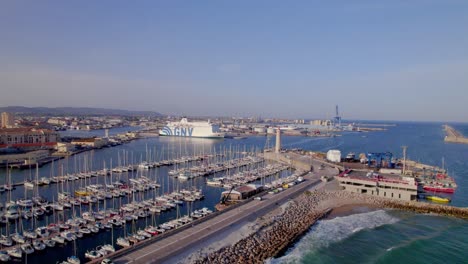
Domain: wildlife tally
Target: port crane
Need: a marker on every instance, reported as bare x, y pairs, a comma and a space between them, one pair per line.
225, 198
379, 158
337, 117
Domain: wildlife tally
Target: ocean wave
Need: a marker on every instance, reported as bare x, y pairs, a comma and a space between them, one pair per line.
326, 232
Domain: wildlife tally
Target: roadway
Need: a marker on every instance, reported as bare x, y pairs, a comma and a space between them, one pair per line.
163, 250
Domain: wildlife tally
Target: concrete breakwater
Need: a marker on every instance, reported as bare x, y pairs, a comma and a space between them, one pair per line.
454, 136
300, 214
270, 239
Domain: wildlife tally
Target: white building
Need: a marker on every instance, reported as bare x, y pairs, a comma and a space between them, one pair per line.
334, 155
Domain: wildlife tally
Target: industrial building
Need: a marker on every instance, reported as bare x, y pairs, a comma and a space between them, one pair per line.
395, 187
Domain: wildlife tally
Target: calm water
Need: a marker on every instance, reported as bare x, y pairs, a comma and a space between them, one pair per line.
375, 237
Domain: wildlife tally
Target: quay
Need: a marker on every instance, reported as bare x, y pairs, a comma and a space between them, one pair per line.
454, 136
163, 250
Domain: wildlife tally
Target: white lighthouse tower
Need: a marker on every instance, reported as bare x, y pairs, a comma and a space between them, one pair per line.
278, 140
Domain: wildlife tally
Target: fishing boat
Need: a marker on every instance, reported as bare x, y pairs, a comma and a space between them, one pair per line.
439, 199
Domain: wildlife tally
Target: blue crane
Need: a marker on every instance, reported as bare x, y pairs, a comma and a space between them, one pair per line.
379, 158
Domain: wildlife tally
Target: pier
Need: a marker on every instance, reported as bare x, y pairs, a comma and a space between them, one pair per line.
454, 136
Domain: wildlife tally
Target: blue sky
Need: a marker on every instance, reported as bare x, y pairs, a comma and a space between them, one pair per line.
395, 60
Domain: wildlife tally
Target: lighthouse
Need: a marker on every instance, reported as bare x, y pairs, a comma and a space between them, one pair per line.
278, 140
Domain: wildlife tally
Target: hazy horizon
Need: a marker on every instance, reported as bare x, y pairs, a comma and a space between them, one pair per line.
389, 61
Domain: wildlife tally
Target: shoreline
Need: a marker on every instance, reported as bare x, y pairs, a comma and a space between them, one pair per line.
350, 209
302, 213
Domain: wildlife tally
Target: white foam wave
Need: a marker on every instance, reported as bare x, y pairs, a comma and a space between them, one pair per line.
326, 232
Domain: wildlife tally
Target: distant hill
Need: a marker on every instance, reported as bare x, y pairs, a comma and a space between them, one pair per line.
81, 111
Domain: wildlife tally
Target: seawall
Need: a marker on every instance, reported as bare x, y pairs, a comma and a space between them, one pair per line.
454, 136
301, 214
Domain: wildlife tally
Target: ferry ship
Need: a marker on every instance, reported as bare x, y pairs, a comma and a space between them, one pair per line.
184, 128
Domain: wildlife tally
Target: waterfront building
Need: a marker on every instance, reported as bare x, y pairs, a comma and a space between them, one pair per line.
28, 158
320, 122
334, 155
94, 142
241, 192
63, 147
28, 138
260, 130
57, 122
299, 121
8, 120
394, 187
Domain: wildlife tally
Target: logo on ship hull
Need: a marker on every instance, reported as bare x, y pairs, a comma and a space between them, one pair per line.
177, 131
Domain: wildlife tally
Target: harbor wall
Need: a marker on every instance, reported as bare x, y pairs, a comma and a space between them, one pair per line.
454, 136
273, 240
292, 162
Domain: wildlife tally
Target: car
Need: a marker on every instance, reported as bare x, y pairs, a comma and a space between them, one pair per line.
258, 198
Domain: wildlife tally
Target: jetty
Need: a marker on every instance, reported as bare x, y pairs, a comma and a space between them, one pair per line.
454, 136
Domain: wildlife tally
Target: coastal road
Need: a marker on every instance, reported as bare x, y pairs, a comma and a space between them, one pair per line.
165, 249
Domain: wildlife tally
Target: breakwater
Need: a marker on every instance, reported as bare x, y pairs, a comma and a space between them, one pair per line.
278, 235
454, 136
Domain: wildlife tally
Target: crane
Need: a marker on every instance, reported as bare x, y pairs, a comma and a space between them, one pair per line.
337, 117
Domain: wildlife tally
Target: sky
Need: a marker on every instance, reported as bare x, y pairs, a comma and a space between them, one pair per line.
377, 60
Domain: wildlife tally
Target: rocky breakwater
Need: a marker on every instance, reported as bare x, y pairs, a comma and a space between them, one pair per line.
300, 214
274, 237
426, 208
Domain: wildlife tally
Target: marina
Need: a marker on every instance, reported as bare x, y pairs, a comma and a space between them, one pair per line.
132, 201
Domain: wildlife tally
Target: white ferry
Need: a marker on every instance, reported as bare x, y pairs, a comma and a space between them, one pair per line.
184, 128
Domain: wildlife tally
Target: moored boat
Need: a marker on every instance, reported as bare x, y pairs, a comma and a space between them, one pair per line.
438, 199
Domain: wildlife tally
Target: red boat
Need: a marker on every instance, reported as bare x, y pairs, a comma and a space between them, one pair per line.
439, 189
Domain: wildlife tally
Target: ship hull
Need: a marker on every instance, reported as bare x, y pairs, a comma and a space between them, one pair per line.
191, 129
439, 189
